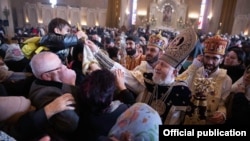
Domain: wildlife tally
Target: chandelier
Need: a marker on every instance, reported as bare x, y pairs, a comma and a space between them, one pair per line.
53, 3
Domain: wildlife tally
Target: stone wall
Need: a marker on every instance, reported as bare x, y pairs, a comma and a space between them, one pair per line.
39, 13
92, 12
89, 12
242, 17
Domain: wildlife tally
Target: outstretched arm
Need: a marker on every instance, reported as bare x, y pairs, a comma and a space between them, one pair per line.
133, 79
59, 42
124, 94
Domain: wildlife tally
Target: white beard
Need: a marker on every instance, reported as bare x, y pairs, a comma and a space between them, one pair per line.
161, 82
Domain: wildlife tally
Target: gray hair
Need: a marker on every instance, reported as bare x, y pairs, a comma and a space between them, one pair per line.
40, 63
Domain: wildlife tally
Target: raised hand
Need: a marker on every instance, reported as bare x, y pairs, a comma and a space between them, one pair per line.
120, 79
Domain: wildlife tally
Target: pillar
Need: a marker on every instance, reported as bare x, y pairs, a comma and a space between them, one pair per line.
8, 26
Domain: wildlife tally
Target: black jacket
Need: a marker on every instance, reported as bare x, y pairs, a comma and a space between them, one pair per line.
60, 44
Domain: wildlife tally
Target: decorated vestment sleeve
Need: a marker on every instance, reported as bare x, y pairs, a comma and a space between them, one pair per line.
133, 79
226, 89
104, 60
143, 67
187, 75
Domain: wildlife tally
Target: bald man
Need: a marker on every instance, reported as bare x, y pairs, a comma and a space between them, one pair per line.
53, 79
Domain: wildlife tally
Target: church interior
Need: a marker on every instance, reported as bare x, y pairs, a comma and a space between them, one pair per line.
225, 16
72, 70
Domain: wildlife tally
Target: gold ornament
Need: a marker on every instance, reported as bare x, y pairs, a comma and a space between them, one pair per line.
203, 86
159, 106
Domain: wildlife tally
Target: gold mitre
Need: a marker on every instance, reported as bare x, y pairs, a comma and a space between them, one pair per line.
180, 47
215, 45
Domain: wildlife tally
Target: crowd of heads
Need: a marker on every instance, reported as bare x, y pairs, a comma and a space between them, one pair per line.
162, 51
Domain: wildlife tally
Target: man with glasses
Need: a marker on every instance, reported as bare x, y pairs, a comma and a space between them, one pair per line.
210, 85
53, 79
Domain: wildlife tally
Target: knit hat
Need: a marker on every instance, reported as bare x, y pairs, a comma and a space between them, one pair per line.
215, 45
141, 121
180, 47
12, 107
13, 53
157, 40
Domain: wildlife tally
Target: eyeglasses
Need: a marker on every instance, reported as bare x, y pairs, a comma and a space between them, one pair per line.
214, 58
52, 70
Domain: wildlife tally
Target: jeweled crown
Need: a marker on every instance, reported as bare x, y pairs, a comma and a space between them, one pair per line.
157, 40
215, 45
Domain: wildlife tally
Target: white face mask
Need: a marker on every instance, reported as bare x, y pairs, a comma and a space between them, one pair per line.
99, 39
5, 67
119, 57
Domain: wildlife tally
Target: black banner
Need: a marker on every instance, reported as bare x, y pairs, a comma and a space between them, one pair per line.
201, 132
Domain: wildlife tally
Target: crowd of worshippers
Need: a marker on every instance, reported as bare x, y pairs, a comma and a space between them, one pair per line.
111, 84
